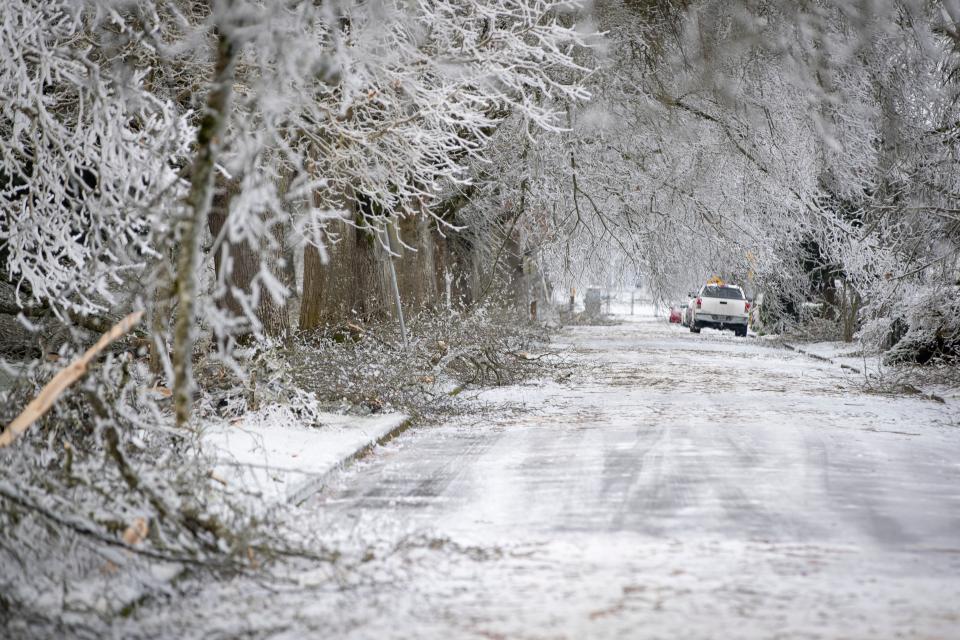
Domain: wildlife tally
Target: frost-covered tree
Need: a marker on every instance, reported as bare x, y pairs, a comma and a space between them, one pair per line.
86, 158
133, 121
804, 149
172, 157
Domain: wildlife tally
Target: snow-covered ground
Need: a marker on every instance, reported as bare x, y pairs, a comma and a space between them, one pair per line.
677, 486
868, 368
267, 453
848, 355
8, 374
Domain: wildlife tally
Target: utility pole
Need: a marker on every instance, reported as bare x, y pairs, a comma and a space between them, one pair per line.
395, 287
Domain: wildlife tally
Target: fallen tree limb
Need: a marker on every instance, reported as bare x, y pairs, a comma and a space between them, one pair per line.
62, 381
88, 530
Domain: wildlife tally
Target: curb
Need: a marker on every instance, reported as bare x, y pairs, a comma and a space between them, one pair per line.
309, 488
315, 485
909, 388
819, 357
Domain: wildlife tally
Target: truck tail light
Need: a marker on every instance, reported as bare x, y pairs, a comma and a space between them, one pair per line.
747, 308
698, 303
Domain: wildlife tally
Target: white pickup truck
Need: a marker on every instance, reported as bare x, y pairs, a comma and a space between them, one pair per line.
720, 306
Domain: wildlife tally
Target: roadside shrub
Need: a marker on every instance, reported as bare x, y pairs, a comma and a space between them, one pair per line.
933, 333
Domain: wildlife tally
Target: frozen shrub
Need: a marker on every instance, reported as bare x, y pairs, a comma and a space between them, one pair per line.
933, 333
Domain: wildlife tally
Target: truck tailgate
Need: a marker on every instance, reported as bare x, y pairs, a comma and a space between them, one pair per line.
723, 307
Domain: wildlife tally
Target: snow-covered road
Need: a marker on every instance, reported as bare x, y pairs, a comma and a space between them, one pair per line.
678, 486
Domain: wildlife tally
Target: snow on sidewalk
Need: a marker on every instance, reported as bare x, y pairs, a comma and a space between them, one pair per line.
268, 452
922, 378
842, 353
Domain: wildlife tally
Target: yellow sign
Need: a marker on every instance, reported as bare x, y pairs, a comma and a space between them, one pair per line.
716, 280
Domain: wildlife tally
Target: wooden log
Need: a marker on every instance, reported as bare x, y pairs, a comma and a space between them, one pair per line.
63, 380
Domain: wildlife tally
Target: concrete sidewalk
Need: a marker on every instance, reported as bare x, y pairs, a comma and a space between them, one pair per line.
270, 454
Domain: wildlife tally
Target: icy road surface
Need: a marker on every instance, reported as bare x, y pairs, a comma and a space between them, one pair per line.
678, 486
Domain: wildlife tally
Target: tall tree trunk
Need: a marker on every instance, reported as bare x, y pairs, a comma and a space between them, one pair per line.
311, 305
246, 262
191, 226
276, 318
348, 285
415, 266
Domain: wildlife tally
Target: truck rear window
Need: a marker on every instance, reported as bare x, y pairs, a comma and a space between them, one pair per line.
722, 292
